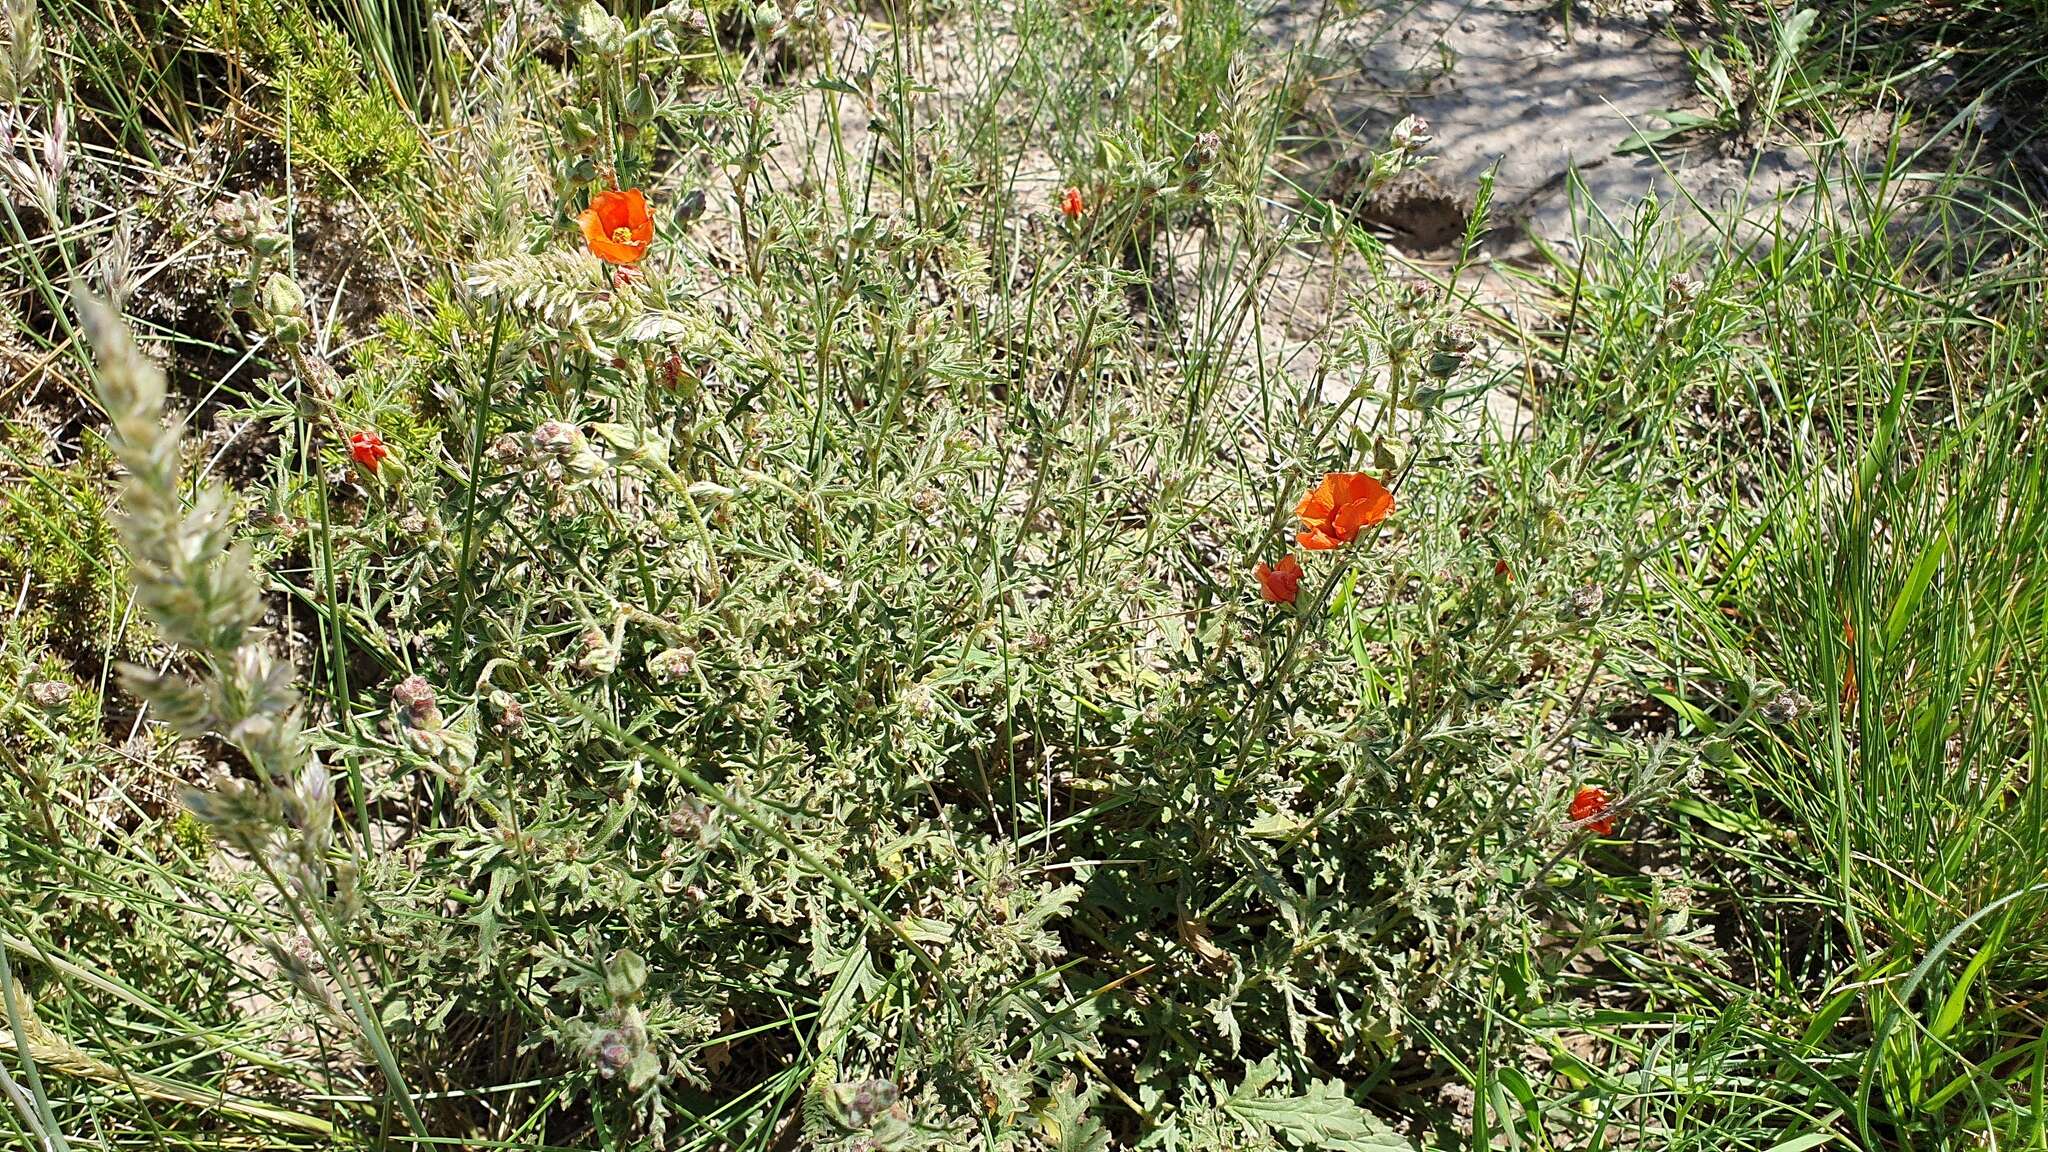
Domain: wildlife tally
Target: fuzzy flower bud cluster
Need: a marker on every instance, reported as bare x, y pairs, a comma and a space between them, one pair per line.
618, 1045
273, 301
419, 724
857, 1104
1403, 153
592, 29
1199, 161
565, 444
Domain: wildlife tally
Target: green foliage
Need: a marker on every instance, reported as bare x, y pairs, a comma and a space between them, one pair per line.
1322, 1116
885, 724
812, 689
340, 124
56, 543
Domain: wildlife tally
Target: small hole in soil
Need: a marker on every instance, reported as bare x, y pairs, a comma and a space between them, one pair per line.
1422, 221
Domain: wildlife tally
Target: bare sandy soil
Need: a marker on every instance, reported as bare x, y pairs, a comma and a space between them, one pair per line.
1509, 83
1508, 87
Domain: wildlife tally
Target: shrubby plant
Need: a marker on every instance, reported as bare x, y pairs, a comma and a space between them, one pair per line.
780, 664
349, 132
785, 700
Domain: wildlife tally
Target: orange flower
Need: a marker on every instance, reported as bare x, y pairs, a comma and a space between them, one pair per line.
367, 449
616, 226
1339, 507
1071, 205
1589, 808
1281, 582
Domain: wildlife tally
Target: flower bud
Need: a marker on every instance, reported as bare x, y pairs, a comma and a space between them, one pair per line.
596, 30
508, 714
673, 663
282, 296
920, 702
580, 130
508, 448
598, 657
281, 309
586, 462
557, 438
239, 222
625, 977
50, 695
1448, 351
412, 691
860, 1102
639, 107
1411, 134
1783, 707
417, 704
1585, 603
681, 19
694, 819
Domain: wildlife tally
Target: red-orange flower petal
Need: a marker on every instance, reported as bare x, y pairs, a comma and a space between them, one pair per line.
616, 226
1341, 505
1317, 505
1589, 808
1280, 582
367, 449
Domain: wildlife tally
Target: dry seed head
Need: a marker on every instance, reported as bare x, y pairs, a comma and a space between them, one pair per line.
24, 56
